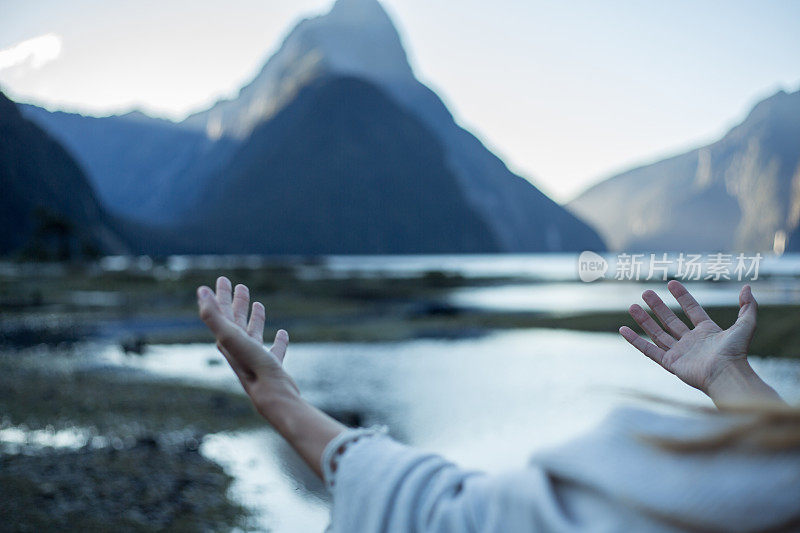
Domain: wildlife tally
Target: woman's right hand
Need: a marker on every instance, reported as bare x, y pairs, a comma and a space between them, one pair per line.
705, 356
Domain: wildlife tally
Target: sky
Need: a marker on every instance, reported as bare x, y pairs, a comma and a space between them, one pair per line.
566, 93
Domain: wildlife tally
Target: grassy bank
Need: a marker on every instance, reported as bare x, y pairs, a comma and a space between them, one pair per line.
777, 334
72, 303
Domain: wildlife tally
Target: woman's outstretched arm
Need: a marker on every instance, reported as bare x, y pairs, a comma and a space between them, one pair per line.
704, 356
381, 485
270, 388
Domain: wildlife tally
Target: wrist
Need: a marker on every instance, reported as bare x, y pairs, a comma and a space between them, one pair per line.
277, 405
307, 429
738, 384
290, 414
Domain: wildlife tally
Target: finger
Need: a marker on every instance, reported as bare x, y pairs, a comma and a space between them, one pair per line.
648, 348
212, 315
279, 346
689, 305
258, 316
660, 337
211, 312
674, 325
241, 301
224, 297
242, 352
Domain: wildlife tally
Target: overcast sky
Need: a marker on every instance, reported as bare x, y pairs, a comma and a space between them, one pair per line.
565, 92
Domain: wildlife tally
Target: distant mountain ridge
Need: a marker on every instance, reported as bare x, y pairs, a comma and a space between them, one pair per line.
142, 168
155, 173
47, 208
739, 193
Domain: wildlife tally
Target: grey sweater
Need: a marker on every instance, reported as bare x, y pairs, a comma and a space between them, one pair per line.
609, 480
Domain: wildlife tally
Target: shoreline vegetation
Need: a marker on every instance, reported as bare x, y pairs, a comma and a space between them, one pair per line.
138, 464
136, 307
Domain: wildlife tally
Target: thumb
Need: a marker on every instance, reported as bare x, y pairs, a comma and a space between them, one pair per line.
278, 348
748, 308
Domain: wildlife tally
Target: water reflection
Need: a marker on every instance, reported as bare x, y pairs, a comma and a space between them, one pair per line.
17, 439
258, 461
545, 267
614, 295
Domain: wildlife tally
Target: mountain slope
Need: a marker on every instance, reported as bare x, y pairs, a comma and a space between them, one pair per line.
143, 168
47, 206
740, 193
358, 38
341, 169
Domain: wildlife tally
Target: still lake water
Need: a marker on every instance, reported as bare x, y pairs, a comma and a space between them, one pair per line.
484, 403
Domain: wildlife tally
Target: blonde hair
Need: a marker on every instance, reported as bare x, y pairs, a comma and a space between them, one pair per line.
762, 427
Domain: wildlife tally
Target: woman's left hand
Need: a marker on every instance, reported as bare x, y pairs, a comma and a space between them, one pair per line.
274, 394
241, 342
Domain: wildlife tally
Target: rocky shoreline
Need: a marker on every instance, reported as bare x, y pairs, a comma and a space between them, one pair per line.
136, 464
146, 487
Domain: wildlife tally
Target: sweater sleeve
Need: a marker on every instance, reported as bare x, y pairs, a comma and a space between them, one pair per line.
608, 480
380, 485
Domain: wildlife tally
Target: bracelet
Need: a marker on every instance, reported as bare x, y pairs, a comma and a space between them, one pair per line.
337, 447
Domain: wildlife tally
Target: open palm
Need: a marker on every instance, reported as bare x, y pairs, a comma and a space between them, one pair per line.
241, 340
696, 355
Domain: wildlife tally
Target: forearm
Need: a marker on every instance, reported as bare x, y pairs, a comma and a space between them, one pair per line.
307, 429
739, 385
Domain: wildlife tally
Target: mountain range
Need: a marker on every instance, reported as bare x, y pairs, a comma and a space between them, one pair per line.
48, 209
336, 147
741, 193
162, 175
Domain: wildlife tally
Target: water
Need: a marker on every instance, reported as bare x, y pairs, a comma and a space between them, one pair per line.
566, 297
485, 404
14, 439
545, 267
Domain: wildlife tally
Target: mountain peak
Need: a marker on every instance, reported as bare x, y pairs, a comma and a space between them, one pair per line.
780, 103
355, 38
357, 9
